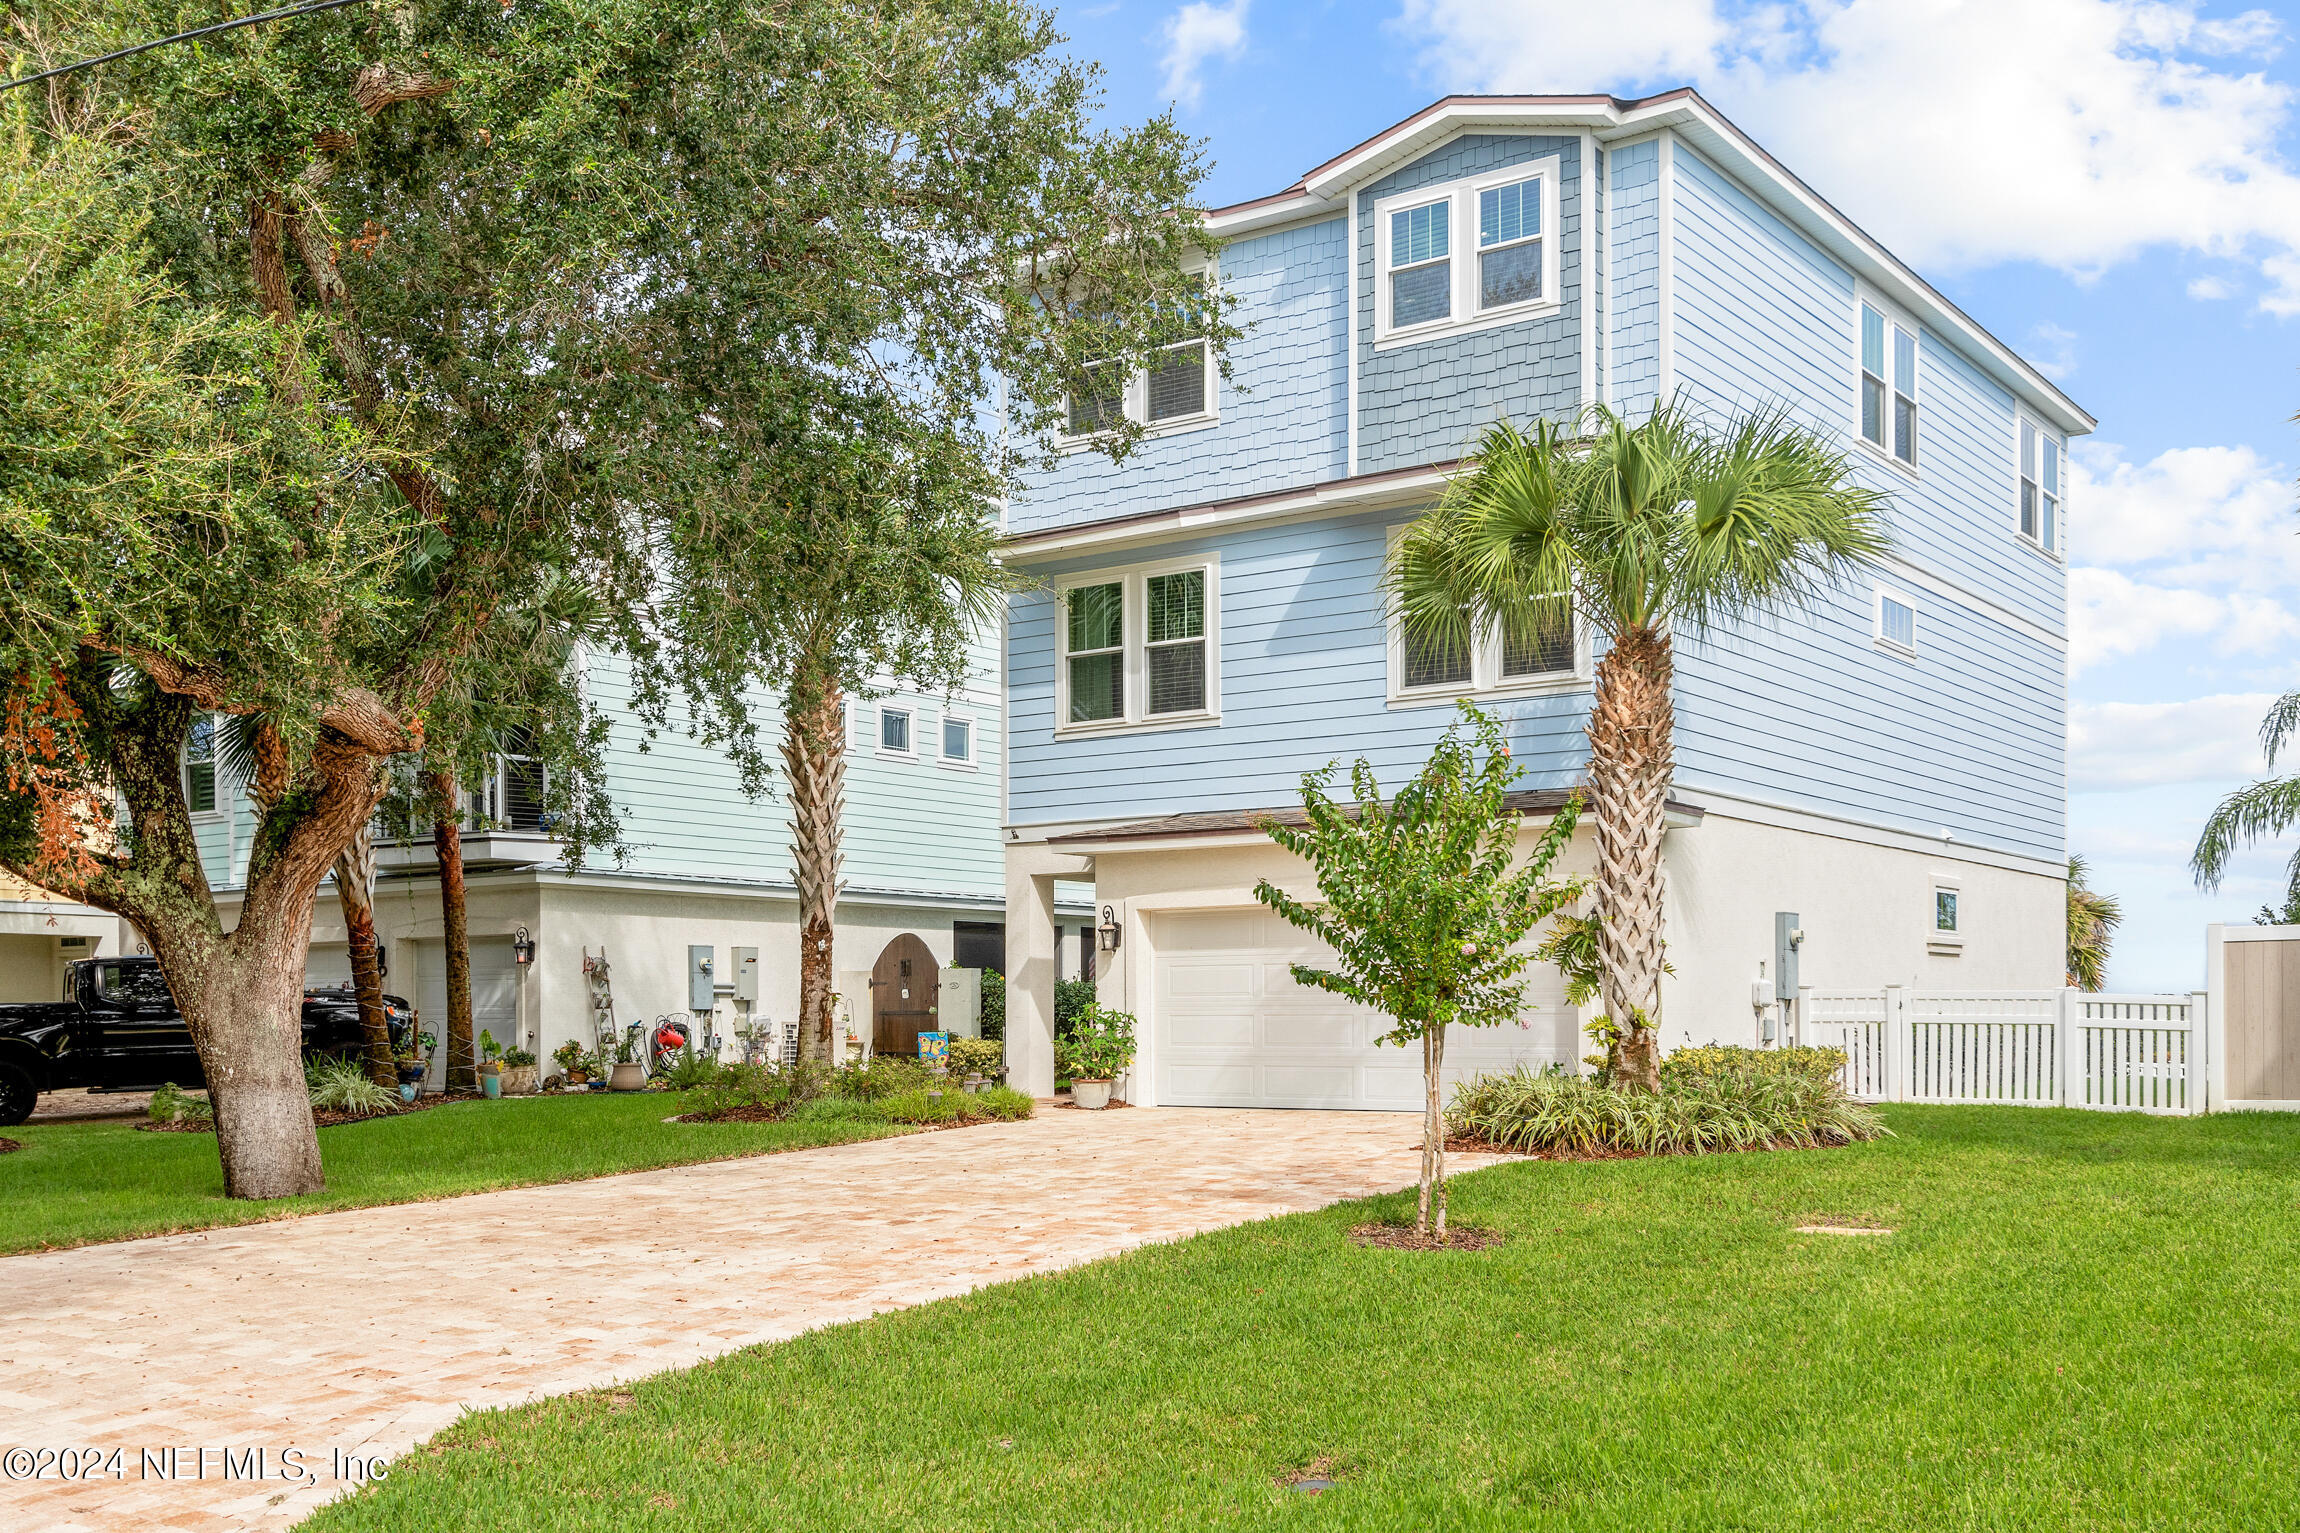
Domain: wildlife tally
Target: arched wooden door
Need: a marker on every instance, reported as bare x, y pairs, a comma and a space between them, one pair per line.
903, 985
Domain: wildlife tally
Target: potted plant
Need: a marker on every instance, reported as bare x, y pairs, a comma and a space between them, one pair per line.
519, 1069
1098, 1050
627, 1075
414, 1065
573, 1061
490, 1064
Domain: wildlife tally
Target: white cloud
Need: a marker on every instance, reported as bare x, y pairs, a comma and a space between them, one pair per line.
2199, 514
1961, 132
2207, 289
2053, 350
1198, 32
2146, 745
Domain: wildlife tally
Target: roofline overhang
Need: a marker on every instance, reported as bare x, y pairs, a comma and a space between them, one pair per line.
1391, 488
1325, 191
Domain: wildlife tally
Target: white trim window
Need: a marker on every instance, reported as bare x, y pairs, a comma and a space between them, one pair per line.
1466, 254
200, 796
957, 740
1888, 387
1896, 622
895, 732
1944, 928
2041, 468
1140, 647
1180, 392
1553, 656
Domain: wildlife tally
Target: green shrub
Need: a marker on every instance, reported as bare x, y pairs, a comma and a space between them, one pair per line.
741, 1087
993, 1005
1003, 1103
1690, 1066
687, 1070
954, 1106
341, 1085
1743, 1110
835, 1110
977, 1056
885, 1075
173, 1104
1072, 998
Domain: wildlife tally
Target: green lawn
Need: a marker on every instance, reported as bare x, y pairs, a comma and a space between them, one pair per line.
78, 1182
2085, 1321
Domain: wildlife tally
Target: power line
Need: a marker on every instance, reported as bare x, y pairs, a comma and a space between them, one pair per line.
221, 26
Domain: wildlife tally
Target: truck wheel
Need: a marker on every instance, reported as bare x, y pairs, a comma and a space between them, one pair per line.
18, 1095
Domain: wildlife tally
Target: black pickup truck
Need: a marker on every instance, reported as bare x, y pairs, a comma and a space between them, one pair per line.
118, 1028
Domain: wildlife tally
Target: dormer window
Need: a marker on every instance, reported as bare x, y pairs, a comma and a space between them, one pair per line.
1427, 285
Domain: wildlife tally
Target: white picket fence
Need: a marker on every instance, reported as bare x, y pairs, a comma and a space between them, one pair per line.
2034, 1048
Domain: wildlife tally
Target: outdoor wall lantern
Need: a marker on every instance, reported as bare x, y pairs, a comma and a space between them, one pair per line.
1106, 935
523, 947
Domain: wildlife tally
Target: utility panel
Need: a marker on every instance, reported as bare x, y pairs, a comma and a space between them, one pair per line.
1788, 937
747, 975
700, 994
958, 1002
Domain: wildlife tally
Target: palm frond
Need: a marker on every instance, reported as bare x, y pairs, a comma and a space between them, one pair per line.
2257, 812
2282, 721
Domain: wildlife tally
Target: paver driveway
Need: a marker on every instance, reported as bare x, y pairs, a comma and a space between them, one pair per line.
366, 1331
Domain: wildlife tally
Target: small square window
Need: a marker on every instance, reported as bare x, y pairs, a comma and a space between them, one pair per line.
1896, 621
957, 739
894, 730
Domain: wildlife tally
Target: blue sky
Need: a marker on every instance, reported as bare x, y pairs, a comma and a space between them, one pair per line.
2112, 186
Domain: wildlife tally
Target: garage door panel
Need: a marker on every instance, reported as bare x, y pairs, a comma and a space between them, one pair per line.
1234, 1028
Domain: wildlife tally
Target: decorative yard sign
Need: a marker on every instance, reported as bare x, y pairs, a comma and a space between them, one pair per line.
934, 1050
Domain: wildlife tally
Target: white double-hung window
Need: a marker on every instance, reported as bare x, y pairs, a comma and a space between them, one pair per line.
1545, 653
1888, 347
1177, 391
200, 764
1466, 254
1139, 647
2040, 471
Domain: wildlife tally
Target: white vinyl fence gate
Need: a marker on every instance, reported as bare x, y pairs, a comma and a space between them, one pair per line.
2036, 1048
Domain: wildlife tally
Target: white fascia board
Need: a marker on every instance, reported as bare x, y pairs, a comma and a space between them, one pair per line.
1328, 188
1304, 505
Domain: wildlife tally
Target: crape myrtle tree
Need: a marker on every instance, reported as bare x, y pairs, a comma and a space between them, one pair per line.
883, 280
1426, 903
1647, 530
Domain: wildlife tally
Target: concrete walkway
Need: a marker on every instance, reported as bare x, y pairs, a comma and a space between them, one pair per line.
364, 1332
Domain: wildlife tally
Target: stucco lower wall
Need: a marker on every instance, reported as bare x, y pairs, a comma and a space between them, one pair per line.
1866, 909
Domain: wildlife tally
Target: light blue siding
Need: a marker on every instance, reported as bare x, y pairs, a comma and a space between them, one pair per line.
1967, 736
1763, 318
1304, 679
1426, 402
1635, 340
1282, 409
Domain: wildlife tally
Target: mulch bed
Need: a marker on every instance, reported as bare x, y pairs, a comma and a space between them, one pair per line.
9, 1144
329, 1119
1404, 1237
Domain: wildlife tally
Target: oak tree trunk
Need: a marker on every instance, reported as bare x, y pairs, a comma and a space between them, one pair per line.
455, 935
1631, 727
815, 760
247, 1017
355, 892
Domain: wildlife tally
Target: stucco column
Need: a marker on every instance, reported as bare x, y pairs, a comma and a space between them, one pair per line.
1031, 870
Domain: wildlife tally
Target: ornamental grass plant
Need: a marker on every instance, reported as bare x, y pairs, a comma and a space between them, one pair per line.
1694, 1114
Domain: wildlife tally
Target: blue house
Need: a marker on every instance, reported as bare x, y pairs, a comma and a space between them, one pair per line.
1867, 794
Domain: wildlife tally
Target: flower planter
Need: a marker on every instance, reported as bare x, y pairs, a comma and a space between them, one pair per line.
519, 1080
491, 1084
627, 1077
1091, 1095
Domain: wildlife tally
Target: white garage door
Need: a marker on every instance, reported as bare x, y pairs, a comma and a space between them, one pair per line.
1231, 1028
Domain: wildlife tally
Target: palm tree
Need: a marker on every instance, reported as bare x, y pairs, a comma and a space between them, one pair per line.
1646, 530
2093, 918
2257, 812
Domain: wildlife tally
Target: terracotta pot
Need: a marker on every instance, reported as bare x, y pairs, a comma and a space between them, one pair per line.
627, 1077
1091, 1095
577, 1077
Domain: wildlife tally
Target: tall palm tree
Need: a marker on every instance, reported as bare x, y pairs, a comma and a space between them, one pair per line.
2093, 918
1647, 530
2257, 812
